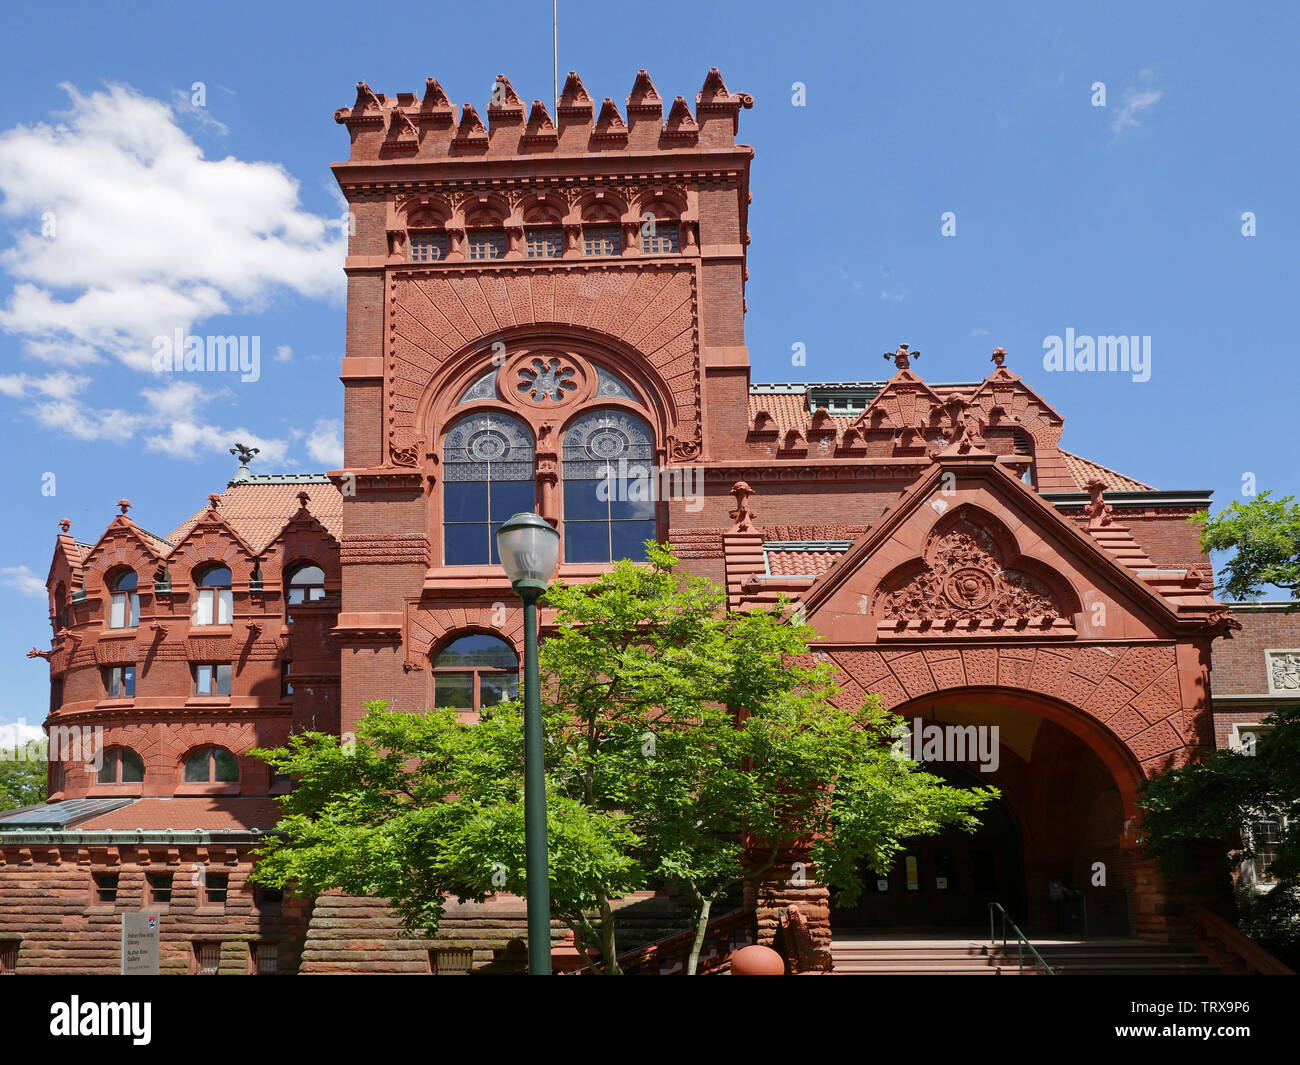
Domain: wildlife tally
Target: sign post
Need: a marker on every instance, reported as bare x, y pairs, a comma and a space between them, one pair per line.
141, 936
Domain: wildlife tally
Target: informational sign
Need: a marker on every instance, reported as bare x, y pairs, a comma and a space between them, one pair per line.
913, 878
882, 885
141, 936
941, 882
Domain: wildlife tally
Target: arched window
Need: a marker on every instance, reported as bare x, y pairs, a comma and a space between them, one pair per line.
609, 487
487, 477
121, 766
475, 671
214, 603
124, 605
211, 765
306, 584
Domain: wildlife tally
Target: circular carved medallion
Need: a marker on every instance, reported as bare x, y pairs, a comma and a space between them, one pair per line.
545, 379
969, 588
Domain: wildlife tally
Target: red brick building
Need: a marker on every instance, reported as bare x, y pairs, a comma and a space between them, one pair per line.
535, 301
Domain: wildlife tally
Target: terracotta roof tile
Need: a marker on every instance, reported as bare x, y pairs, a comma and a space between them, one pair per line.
257, 510
1083, 471
188, 814
800, 563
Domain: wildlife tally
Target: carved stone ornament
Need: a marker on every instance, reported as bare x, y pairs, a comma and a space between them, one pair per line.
1284, 672
964, 579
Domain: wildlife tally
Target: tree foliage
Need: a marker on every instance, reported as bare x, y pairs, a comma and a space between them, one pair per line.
23, 776
683, 742
1264, 535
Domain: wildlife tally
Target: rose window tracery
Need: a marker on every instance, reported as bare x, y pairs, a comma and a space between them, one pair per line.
546, 378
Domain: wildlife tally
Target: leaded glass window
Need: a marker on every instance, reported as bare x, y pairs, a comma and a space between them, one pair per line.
663, 241
602, 240
487, 477
545, 242
609, 385
487, 244
609, 487
484, 388
428, 247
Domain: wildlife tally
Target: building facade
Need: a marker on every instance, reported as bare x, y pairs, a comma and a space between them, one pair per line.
547, 313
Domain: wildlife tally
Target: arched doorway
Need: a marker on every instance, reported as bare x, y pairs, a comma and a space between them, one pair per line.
945, 880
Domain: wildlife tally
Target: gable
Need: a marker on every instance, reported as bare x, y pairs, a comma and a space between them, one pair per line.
969, 552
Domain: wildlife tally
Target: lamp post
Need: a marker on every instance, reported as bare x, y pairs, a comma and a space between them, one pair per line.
529, 548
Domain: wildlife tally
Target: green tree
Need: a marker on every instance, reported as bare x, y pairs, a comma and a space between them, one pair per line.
1221, 799
23, 776
683, 742
1264, 535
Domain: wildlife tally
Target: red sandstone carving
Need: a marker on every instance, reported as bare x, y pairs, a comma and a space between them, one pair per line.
902, 357
744, 514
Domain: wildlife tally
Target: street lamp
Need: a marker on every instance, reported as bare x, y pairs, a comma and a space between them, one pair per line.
529, 548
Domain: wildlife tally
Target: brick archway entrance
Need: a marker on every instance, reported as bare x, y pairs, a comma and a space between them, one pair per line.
946, 880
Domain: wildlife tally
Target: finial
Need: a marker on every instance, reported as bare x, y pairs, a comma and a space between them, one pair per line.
65, 524
245, 453
1098, 511
213, 500
302, 499
124, 505
902, 357
999, 357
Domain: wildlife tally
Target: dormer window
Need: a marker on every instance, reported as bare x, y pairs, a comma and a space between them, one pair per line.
428, 247
124, 604
487, 244
602, 240
214, 602
306, 585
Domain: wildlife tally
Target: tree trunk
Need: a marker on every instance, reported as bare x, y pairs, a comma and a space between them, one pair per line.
608, 947
701, 926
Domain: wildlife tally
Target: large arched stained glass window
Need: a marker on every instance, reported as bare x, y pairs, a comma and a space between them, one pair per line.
487, 477
609, 487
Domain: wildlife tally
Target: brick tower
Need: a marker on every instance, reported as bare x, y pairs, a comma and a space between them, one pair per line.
533, 271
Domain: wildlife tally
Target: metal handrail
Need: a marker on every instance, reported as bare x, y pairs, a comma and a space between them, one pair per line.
1022, 941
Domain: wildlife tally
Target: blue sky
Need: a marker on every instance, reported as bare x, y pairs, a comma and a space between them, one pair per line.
1116, 219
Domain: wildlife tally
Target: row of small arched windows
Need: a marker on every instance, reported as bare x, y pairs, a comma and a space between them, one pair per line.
213, 599
482, 244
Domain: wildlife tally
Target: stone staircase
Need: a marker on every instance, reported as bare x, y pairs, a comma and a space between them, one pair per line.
948, 953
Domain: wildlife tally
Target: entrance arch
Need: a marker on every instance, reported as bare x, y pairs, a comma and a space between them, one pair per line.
1055, 850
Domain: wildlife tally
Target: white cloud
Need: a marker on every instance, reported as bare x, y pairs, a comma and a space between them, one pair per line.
979, 332
126, 232
19, 734
1137, 101
325, 443
22, 580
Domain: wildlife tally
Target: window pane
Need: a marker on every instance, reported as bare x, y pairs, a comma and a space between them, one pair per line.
497, 688
308, 575
128, 682
454, 689
203, 680
465, 501
196, 767
545, 243
582, 500
629, 539
632, 509
223, 680
132, 767
510, 498
227, 766
203, 607
478, 649
108, 771
133, 602
126, 581
216, 577
225, 607
467, 545
586, 541
117, 612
